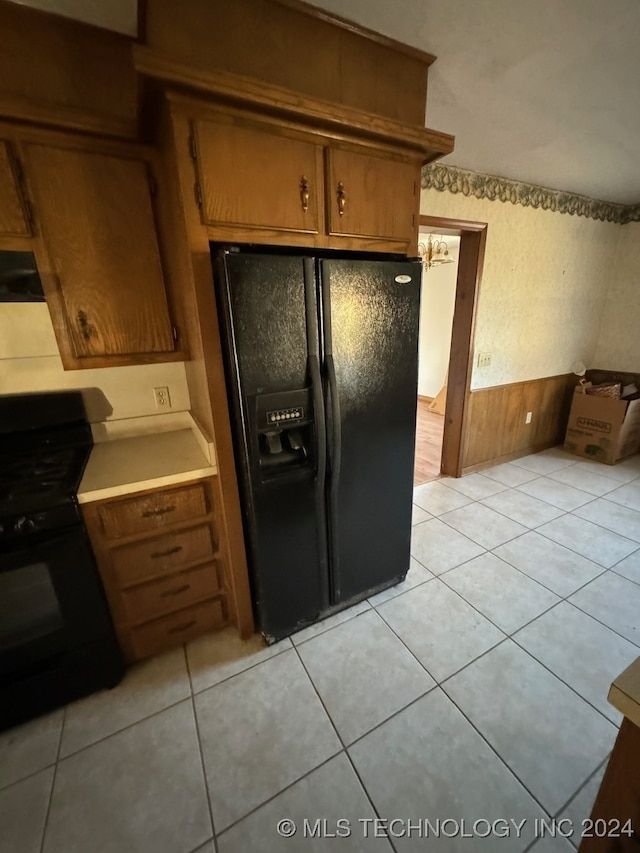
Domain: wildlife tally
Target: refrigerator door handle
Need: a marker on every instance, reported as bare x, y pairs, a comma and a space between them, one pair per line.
334, 483
313, 344
336, 437
318, 406
335, 443
319, 416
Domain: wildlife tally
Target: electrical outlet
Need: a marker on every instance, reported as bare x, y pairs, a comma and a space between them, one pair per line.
484, 359
162, 398
528, 417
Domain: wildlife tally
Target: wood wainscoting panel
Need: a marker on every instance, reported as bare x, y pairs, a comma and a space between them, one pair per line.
496, 430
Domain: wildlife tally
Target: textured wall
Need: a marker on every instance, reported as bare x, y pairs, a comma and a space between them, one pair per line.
543, 289
29, 361
618, 347
436, 319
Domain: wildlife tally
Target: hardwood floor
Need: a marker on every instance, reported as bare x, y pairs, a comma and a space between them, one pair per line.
429, 429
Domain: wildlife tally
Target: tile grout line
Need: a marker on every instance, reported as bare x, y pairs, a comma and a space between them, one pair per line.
562, 681
494, 751
540, 583
53, 779
337, 625
240, 671
117, 731
345, 748
624, 577
583, 786
198, 738
277, 794
573, 551
507, 636
604, 624
295, 781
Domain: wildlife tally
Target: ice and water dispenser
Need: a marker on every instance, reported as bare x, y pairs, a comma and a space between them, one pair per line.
284, 423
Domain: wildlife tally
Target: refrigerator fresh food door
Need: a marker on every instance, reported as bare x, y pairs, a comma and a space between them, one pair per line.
370, 315
269, 316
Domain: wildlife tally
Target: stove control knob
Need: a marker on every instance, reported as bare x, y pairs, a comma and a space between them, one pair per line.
24, 525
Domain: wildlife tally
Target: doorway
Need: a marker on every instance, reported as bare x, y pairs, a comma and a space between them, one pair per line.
448, 307
438, 292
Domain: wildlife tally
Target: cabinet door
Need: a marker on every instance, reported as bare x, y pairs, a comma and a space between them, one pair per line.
370, 196
13, 219
97, 222
252, 176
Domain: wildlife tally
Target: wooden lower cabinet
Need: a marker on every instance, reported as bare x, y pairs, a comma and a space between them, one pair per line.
162, 565
614, 824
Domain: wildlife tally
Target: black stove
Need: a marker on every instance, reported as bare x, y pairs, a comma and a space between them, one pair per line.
56, 638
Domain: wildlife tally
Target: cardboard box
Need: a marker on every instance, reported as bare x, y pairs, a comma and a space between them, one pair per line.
603, 429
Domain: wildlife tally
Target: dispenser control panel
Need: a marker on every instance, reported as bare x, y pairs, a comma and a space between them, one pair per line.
283, 416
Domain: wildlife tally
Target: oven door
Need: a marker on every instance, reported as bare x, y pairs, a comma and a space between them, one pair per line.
51, 599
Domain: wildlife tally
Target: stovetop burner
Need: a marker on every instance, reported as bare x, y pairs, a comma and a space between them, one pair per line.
45, 441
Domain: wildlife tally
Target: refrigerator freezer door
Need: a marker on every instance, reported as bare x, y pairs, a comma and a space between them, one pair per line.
370, 332
269, 318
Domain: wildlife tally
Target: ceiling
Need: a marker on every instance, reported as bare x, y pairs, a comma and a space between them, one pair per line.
542, 91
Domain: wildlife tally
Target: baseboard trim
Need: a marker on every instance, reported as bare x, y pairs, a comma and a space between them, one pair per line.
425, 399
508, 457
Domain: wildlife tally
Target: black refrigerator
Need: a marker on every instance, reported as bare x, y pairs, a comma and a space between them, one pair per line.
321, 360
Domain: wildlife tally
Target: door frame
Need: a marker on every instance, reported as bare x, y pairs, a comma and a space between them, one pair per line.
473, 237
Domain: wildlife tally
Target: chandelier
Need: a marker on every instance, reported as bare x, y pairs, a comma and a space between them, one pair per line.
434, 253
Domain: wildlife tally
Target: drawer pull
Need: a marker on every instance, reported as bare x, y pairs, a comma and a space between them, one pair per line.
180, 628
167, 553
176, 591
163, 510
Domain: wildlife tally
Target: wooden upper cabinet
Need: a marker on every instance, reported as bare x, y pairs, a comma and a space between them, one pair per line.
371, 196
97, 221
257, 177
13, 216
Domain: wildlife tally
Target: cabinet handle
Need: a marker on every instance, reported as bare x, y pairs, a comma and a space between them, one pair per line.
342, 198
176, 549
179, 628
86, 329
176, 591
304, 193
163, 510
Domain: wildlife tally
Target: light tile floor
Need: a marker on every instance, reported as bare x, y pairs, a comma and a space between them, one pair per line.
473, 691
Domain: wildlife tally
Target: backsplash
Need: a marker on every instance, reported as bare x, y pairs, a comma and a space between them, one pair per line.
29, 361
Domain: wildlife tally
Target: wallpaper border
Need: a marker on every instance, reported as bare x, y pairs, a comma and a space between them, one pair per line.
444, 178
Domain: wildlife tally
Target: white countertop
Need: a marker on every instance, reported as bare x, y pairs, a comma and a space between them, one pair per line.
625, 692
153, 460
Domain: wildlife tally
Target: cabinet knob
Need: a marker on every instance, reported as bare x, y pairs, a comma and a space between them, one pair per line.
304, 193
86, 329
342, 198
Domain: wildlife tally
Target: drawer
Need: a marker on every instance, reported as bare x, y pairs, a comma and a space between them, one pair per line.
162, 554
174, 592
180, 627
150, 512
